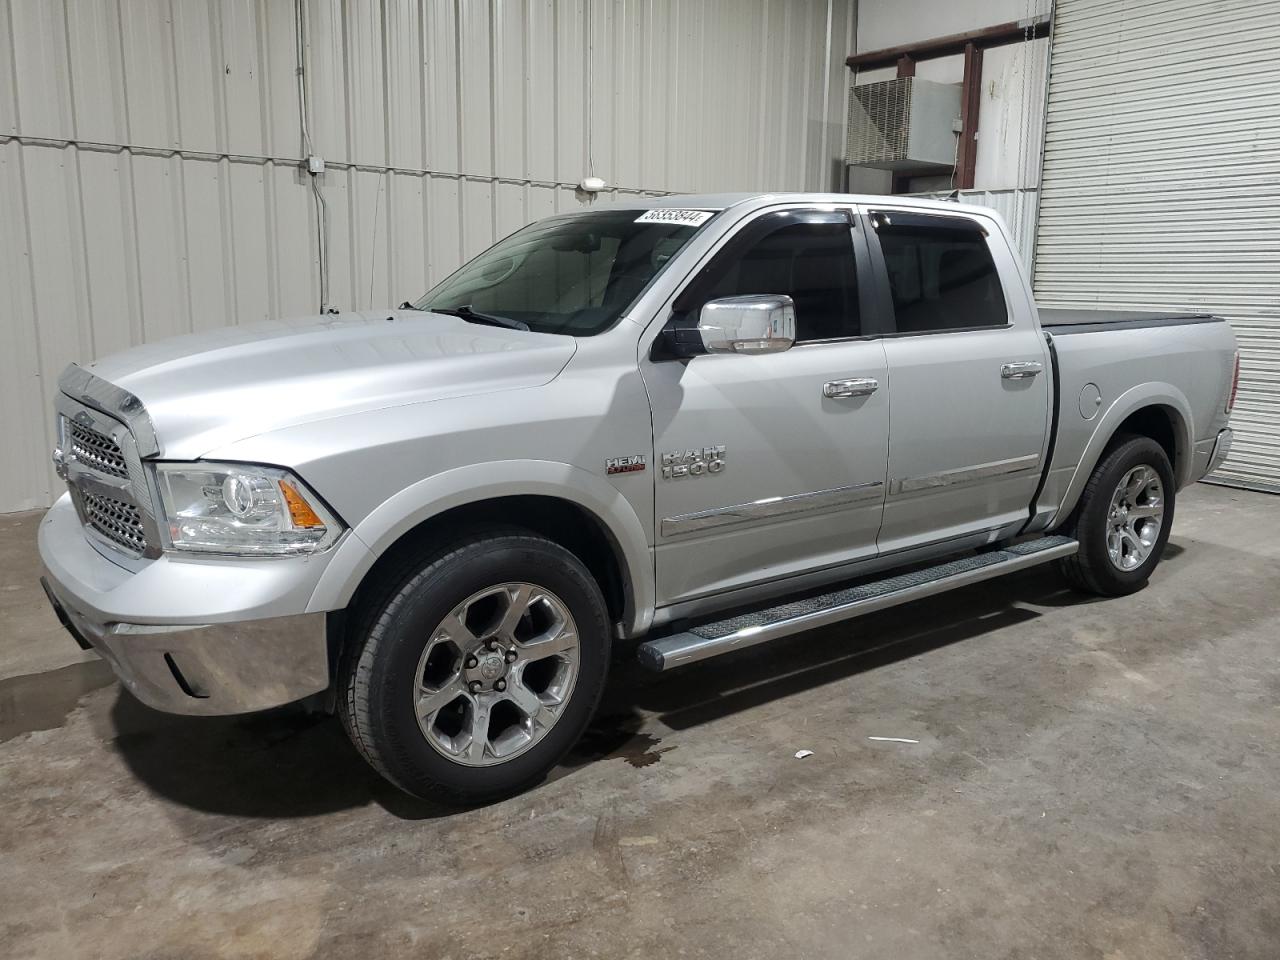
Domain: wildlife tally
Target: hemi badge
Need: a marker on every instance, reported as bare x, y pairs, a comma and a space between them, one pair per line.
631, 464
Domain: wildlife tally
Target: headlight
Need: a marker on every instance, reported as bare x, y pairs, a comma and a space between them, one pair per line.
241, 509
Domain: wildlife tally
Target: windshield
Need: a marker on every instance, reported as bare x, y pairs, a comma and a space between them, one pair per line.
575, 274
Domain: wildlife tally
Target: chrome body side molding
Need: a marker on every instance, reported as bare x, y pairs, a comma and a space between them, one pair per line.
982, 471
770, 508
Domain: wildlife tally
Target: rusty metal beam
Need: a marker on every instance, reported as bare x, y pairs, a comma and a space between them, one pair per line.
1012, 32
906, 67
970, 99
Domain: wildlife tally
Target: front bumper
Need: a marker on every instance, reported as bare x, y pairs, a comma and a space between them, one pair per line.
194, 637
208, 670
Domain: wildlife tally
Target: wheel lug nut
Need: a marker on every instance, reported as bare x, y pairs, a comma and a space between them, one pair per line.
511, 656
493, 644
472, 663
500, 685
474, 686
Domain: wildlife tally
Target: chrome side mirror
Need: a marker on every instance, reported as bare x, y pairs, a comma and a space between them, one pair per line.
757, 323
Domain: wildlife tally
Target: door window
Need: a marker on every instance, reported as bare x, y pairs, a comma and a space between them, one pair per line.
941, 273
806, 256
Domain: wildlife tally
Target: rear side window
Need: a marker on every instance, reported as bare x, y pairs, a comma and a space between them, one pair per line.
806, 255
941, 273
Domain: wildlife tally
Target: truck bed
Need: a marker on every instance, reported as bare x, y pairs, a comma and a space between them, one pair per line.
1058, 320
1179, 361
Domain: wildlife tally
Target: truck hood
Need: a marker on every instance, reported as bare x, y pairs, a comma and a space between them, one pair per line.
206, 390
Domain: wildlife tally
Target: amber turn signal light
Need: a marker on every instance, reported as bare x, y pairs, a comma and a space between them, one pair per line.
300, 511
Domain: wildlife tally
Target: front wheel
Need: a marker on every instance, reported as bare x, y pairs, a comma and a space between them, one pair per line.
1122, 520
473, 674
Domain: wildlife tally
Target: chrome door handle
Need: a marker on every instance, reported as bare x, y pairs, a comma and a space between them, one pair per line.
1023, 370
861, 387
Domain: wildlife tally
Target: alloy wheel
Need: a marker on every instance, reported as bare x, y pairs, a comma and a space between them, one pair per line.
1135, 517
496, 674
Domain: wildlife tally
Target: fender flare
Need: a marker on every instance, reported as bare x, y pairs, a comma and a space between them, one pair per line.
396, 516
1153, 394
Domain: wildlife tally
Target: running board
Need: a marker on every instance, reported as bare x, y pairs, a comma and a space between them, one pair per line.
736, 633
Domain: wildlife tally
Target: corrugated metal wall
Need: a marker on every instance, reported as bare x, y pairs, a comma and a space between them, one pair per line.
150, 150
1160, 186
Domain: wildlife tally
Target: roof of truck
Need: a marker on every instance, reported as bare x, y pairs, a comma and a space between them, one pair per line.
721, 201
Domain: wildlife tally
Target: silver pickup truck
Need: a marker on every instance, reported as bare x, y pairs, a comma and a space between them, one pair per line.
673, 427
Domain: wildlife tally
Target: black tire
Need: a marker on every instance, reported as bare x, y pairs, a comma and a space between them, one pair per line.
378, 672
1091, 569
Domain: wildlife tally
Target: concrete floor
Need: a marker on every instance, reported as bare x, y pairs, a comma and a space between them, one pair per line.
1092, 780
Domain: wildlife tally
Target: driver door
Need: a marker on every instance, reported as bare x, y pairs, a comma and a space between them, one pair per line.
771, 466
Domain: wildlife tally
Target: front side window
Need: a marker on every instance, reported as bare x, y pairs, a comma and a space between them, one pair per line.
941, 273
806, 256
574, 274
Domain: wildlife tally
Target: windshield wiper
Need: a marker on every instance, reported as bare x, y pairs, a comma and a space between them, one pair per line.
408, 306
471, 316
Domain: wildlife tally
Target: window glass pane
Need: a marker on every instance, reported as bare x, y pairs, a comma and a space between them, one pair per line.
941, 277
573, 274
812, 263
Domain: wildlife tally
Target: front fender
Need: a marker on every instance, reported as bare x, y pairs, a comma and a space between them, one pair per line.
1153, 394
476, 482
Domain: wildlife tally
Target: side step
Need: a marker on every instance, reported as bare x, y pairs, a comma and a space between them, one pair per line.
725, 636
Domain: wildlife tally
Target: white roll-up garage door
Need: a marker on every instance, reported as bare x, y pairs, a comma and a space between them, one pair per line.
1161, 183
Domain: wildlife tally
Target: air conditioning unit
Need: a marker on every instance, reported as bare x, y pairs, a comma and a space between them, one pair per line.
905, 124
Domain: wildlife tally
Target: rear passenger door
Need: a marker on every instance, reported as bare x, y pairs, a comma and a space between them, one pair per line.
968, 378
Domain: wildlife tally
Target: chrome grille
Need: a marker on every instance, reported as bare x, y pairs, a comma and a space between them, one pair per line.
96, 450
119, 522
103, 436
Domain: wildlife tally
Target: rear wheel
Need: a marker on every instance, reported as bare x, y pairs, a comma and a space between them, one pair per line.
1123, 519
472, 675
